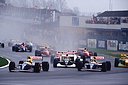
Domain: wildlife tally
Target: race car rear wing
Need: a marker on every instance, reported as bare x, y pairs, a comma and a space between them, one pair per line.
98, 57
36, 58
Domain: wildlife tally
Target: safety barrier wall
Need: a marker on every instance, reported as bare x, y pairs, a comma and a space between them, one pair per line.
114, 45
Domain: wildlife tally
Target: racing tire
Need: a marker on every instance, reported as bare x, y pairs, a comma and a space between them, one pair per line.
116, 62
2, 45
55, 62
45, 66
104, 67
13, 48
37, 68
12, 66
79, 65
37, 53
108, 63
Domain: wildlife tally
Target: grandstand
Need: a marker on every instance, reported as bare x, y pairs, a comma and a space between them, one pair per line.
110, 26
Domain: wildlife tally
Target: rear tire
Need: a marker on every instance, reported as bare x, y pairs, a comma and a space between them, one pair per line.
2, 45
45, 66
55, 62
79, 65
108, 65
13, 48
12, 66
37, 68
104, 67
116, 62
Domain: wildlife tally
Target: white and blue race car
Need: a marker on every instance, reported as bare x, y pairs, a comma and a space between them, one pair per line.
33, 64
93, 63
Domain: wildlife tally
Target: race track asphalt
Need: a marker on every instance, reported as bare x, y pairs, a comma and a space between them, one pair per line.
60, 76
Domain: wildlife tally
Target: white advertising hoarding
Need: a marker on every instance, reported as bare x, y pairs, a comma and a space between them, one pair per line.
101, 44
92, 43
112, 44
123, 47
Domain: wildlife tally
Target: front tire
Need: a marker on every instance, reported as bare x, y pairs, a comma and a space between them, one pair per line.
12, 66
45, 66
116, 62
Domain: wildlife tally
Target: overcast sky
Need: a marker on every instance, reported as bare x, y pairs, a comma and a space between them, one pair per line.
98, 5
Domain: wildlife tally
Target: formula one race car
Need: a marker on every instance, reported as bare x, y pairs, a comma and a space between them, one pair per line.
42, 51
93, 63
1, 45
33, 64
65, 59
85, 52
122, 61
22, 47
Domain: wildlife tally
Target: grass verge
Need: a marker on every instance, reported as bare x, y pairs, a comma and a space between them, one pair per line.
3, 61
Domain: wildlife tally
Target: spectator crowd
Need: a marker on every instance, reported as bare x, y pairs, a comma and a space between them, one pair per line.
107, 20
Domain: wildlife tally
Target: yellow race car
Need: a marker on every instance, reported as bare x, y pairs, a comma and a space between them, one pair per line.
122, 61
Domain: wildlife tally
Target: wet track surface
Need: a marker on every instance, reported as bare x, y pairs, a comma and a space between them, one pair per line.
59, 76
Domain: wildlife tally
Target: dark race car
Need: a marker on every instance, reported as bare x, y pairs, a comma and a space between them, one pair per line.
1, 45
85, 52
22, 47
44, 51
33, 64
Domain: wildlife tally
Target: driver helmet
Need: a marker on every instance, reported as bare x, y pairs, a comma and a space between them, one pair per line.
29, 59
